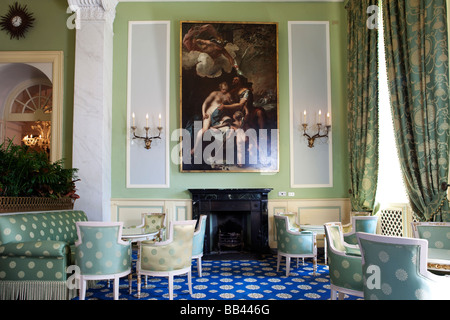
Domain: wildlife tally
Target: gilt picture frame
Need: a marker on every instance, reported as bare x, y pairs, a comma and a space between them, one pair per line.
229, 110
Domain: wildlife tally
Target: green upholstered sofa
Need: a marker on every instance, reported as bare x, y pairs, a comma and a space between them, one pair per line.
35, 251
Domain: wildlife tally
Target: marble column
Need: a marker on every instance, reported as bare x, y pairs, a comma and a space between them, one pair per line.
92, 105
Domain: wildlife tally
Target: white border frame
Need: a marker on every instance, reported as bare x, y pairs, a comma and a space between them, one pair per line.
292, 102
165, 132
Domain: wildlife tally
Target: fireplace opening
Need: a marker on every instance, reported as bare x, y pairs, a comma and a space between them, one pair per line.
246, 208
230, 232
231, 236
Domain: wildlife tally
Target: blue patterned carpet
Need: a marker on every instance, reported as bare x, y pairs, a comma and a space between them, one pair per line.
250, 280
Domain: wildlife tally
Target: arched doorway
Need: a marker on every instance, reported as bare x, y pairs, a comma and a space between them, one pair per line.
31, 100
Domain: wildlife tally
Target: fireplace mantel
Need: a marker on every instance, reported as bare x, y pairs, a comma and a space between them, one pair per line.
221, 201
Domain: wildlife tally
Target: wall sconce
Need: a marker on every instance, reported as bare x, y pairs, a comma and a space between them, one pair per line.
147, 140
322, 131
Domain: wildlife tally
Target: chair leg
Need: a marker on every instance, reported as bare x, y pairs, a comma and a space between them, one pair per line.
341, 296
116, 288
288, 265
82, 292
315, 265
138, 286
199, 266
190, 282
130, 282
170, 287
278, 262
333, 294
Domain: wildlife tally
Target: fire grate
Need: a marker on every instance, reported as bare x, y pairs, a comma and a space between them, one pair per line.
230, 240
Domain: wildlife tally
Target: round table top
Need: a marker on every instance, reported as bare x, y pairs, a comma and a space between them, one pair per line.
137, 233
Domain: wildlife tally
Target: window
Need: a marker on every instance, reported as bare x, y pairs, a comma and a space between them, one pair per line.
390, 181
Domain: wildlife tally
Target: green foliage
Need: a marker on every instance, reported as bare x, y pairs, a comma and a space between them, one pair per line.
28, 173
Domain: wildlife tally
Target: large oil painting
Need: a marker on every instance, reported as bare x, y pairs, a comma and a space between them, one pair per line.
229, 97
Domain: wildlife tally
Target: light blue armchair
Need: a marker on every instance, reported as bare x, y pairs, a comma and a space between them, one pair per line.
198, 243
344, 262
292, 219
438, 236
395, 268
367, 224
168, 258
292, 244
101, 254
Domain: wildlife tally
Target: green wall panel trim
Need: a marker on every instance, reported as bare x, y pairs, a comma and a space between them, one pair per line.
239, 12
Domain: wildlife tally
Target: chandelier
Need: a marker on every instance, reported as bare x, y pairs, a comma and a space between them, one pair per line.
43, 140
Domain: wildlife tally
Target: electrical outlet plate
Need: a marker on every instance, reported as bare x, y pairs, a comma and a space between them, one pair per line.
282, 193
291, 194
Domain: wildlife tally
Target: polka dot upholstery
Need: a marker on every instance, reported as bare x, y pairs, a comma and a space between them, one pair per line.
292, 219
100, 253
394, 268
294, 244
170, 257
344, 262
437, 235
36, 248
55, 225
154, 222
173, 256
367, 224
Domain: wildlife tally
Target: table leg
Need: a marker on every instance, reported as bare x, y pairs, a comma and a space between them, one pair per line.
138, 286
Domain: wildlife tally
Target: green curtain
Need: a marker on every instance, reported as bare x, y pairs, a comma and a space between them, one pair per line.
362, 91
417, 62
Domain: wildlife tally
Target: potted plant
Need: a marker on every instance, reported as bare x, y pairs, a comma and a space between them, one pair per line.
29, 181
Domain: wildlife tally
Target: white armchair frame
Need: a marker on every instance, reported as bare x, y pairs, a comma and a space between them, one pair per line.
336, 291
423, 269
168, 274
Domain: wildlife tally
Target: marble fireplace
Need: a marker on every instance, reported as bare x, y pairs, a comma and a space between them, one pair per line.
237, 219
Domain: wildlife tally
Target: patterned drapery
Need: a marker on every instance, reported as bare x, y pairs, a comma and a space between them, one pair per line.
362, 105
417, 61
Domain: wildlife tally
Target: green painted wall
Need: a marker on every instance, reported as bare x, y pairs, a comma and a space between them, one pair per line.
51, 33
232, 11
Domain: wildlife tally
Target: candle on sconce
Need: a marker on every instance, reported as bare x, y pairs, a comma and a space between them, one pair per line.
160, 119
133, 116
304, 116
146, 120
320, 115
328, 119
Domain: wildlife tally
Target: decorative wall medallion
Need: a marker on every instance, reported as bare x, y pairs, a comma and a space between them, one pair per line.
17, 21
